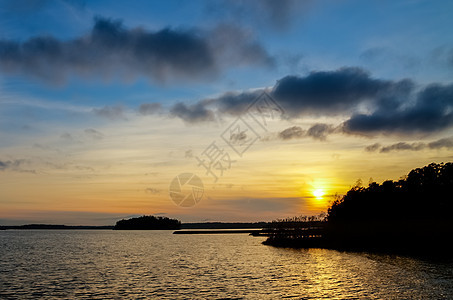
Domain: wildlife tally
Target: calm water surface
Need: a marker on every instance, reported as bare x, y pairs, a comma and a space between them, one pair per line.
88, 264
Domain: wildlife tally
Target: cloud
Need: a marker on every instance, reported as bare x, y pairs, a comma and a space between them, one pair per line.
16, 165
432, 111
291, 133
321, 93
234, 103
112, 50
318, 131
194, 113
371, 106
150, 108
333, 92
403, 146
110, 112
373, 147
446, 143
442, 143
94, 134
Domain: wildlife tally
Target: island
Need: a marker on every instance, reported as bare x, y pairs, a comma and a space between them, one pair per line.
148, 223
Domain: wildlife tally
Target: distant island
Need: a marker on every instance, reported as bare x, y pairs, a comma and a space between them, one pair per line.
148, 223
413, 214
200, 225
55, 226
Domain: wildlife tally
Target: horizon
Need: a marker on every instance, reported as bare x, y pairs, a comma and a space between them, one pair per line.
215, 112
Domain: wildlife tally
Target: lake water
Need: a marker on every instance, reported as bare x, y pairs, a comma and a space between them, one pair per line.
159, 265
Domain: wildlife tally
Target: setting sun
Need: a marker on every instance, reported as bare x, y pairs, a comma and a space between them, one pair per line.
318, 193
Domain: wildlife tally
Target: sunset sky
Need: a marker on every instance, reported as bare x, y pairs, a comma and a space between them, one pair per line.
103, 103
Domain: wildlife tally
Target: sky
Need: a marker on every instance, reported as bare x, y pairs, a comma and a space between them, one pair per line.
215, 110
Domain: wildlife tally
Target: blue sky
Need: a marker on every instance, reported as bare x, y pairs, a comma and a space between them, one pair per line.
140, 83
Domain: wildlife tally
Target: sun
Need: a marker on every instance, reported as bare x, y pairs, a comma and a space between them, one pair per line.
318, 193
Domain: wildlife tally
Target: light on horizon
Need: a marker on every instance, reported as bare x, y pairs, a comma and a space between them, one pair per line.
318, 193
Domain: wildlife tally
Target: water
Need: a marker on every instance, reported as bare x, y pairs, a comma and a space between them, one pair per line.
50, 264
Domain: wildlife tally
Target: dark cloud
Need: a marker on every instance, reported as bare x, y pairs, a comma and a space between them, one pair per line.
432, 111
194, 113
234, 103
391, 106
149, 108
319, 93
323, 93
320, 131
111, 50
333, 92
446, 143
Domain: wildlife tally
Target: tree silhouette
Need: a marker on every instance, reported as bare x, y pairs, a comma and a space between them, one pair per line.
413, 214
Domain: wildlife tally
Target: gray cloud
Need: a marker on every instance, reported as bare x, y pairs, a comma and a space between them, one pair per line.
94, 134
16, 165
318, 131
442, 143
403, 146
149, 108
194, 113
111, 50
291, 133
446, 143
373, 147
110, 112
